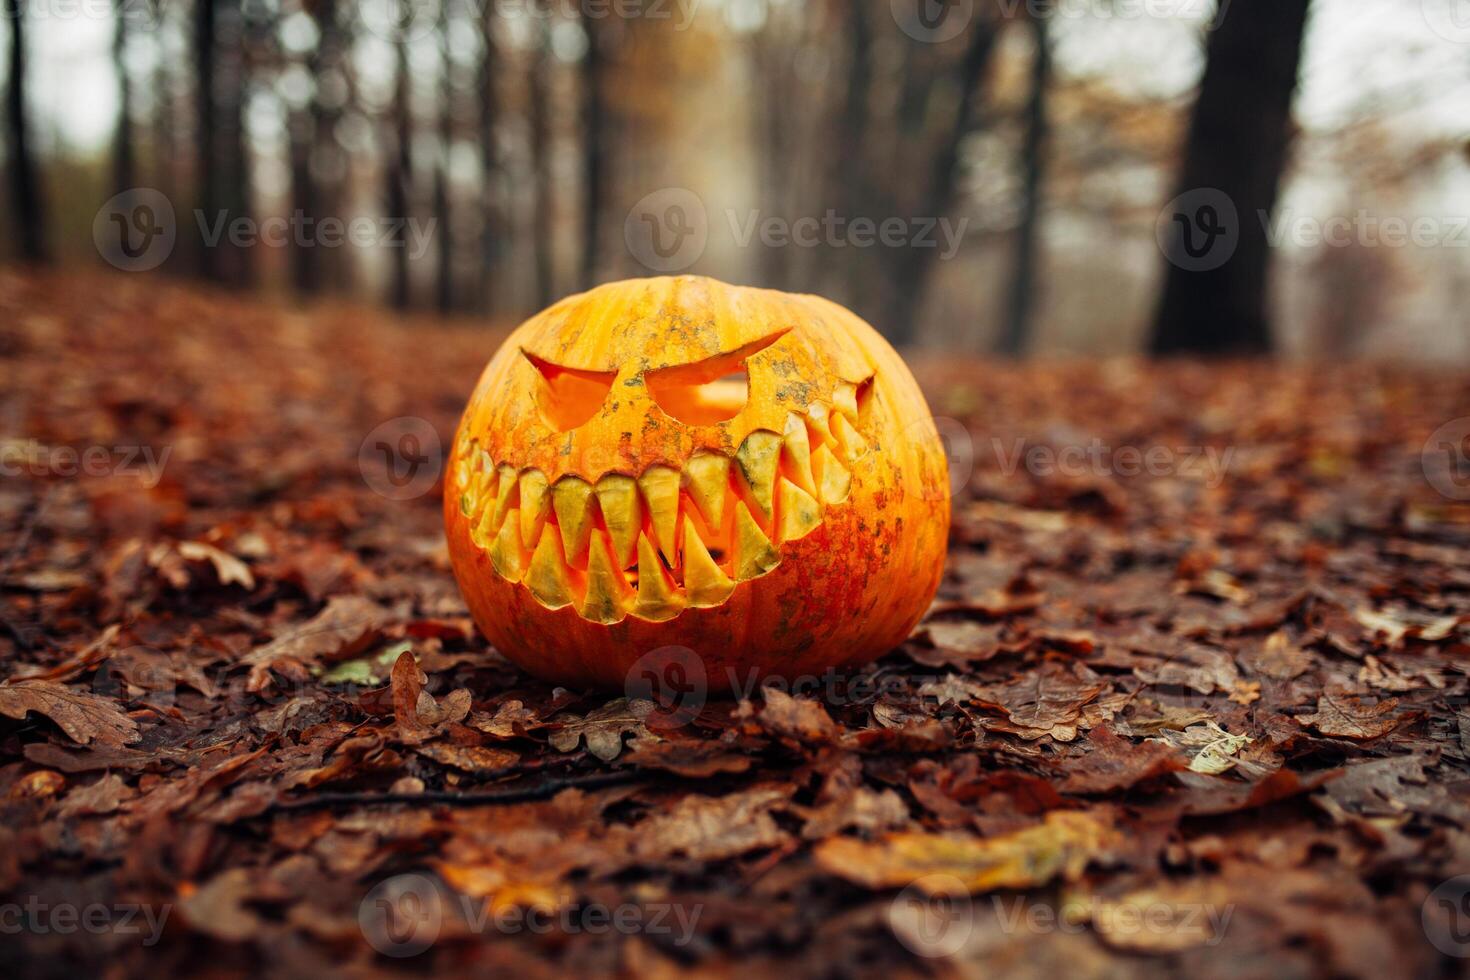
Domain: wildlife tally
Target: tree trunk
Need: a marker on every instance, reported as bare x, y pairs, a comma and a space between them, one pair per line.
594, 145
398, 173
25, 189
1215, 301
911, 265
124, 161
1021, 302
541, 218
490, 166
444, 293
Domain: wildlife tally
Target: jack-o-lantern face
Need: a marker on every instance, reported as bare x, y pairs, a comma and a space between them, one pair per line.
749, 474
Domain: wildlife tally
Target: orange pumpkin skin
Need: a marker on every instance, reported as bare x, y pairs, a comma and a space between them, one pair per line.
823, 549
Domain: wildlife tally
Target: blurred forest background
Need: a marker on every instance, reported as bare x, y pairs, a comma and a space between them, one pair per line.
1047, 136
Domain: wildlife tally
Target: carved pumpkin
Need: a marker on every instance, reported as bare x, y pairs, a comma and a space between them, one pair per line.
664, 462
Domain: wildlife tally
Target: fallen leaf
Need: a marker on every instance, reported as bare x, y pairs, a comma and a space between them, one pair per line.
1061, 846
81, 715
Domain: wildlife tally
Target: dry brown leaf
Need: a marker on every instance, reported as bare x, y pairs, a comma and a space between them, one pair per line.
83, 716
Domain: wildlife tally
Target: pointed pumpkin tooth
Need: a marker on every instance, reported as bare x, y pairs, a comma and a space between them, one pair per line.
507, 553
660, 487
658, 598
852, 443
758, 457
483, 487
535, 504
608, 594
505, 494
482, 533
800, 513
622, 510
754, 553
844, 399
571, 498
834, 482
704, 583
798, 450
463, 472
709, 481
548, 577
817, 418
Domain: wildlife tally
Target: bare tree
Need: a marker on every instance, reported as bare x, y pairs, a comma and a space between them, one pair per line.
316, 157
1021, 299
397, 174
124, 161
540, 112
1237, 145
911, 266
220, 72
595, 139
25, 188
444, 293
490, 162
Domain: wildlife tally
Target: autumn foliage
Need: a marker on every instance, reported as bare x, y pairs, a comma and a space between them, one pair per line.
250, 692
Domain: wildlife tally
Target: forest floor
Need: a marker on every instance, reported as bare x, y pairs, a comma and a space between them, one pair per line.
1193, 698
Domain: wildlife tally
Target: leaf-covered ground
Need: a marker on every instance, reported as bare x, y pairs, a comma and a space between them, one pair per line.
1198, 712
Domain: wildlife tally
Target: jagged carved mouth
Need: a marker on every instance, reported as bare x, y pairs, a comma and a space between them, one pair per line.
652, 545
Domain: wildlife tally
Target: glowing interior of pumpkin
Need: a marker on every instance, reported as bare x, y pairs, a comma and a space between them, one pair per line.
668, 538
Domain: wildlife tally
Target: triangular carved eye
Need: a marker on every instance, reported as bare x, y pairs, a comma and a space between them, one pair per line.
708, 391
568, 397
